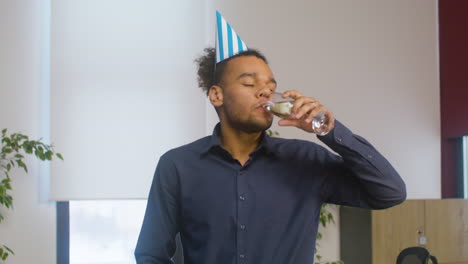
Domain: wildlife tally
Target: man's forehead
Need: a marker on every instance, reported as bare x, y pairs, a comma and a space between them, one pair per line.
249, 66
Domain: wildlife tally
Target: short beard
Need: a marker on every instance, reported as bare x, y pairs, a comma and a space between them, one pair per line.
249, 126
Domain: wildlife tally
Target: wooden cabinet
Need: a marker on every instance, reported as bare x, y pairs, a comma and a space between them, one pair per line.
446, 226
395, 229
441, 225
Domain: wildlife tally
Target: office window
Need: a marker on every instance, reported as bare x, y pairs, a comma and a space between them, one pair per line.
104, 232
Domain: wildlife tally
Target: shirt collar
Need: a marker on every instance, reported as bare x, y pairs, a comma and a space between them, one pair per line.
265, 142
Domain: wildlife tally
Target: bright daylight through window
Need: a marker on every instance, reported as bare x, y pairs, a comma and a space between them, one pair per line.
104, 232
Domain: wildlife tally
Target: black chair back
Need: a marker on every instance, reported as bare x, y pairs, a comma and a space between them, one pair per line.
415, 255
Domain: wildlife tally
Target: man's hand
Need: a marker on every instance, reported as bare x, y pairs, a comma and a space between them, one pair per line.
304, 110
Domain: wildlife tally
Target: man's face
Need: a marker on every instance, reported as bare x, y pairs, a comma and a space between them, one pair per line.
247, 82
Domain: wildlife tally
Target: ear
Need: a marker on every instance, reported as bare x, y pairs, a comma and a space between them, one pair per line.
216, 95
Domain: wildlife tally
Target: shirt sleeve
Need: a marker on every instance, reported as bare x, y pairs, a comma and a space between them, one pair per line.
156, 243
360, 176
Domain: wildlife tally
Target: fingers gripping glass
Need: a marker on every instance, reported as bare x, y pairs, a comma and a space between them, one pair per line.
281, 107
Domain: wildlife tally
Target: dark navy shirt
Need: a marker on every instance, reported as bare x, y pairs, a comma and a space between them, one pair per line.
266, 211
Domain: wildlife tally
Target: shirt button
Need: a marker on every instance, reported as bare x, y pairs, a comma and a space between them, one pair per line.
339, 139
369, 156
242, 256
242, 197
242, 227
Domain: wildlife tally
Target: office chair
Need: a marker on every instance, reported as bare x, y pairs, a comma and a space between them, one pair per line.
415, 255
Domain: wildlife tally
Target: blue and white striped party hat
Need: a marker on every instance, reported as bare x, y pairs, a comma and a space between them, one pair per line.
228, 43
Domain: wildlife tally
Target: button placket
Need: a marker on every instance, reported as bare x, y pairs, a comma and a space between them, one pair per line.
242, 204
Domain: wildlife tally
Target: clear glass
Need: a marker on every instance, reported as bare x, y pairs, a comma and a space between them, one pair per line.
281, 107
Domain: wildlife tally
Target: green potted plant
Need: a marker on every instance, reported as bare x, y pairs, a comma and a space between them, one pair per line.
14, 147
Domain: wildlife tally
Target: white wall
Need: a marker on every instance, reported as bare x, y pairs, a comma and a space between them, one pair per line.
29, 229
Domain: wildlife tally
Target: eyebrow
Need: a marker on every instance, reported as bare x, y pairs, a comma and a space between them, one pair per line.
253, 74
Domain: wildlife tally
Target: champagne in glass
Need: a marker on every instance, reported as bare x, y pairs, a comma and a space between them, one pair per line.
281, 107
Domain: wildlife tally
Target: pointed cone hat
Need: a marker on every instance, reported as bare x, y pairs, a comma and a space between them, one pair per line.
228, 43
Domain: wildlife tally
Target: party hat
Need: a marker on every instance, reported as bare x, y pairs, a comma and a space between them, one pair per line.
228, 43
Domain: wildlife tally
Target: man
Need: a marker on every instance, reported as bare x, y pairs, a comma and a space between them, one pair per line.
240, 196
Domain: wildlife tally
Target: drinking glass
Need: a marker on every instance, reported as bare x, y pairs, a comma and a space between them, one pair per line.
281, 107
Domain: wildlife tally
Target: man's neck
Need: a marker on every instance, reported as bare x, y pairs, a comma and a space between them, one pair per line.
238, 143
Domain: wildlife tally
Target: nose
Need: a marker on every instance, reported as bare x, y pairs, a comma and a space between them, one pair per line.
264, 92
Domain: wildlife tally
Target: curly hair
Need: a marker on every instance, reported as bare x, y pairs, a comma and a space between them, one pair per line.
210, 74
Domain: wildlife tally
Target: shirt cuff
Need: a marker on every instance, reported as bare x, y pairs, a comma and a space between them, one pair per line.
337, 135
343, 141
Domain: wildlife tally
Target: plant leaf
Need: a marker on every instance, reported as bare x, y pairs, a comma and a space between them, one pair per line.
9, 249
7, 150
6, 140
49, 154
59, 156
22, 165
27, 147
